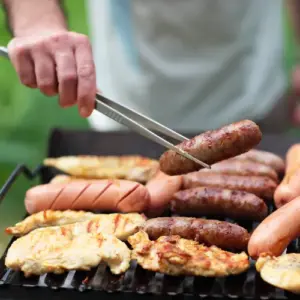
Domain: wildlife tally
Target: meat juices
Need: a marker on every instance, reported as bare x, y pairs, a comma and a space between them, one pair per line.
212, 146
218, 201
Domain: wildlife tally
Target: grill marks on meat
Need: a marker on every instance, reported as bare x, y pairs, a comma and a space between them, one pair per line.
125, 225
260, 186
218, 201
175, 256
53, 250
129, 167
212, 147
210, 232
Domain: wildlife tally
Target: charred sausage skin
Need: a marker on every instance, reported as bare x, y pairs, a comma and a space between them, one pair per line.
209, 232
242, 167
212, 146
218, 201
260, 186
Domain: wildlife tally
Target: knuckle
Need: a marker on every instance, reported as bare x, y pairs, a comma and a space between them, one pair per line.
69, 77
86, 71
37, 46
16, 50
59, 37
82, 39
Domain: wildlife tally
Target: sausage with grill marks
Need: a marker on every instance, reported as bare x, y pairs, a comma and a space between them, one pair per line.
209, 232
217, 201
242, 167
260, 186
211, 147
104, 195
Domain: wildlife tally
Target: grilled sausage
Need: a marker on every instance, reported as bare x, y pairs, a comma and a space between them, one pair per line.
242, 167
275, 233
103, 195
212, 146
161, 189
289, 188
210, 232
217, 201
260, 186
264, 157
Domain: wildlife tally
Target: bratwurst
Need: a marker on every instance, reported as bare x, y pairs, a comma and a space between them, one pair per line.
210, 232
264, 157
260, 186
217, 201
212, 146
242, 167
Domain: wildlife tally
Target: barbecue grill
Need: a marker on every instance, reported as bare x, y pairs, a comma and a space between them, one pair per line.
136, 283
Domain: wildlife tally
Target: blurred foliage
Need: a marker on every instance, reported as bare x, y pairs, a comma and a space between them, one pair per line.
26, 118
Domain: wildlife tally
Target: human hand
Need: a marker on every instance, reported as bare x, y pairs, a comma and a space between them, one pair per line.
60, 63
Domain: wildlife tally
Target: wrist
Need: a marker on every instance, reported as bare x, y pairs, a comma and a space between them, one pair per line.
38, 30
35, 17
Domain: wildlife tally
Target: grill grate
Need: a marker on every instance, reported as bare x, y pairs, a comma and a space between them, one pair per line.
139, 282
136, 282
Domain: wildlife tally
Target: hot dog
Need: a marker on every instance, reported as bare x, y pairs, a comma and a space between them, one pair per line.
217, 201
264, 157
275, 233
103, 195
260, 186
212, 146
242, 167
210, 232
161, 189
289, 188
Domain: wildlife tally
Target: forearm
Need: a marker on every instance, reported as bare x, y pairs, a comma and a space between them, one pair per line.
294, 12
34, 16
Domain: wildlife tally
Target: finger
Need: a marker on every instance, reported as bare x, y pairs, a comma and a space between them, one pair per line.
67, 77
23, 64
45, 73
86, 90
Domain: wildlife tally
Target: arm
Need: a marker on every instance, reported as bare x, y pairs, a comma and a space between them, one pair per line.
293, 7
33, 16
48, 56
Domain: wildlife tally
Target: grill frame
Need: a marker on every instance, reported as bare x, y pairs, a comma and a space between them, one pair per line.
136, 282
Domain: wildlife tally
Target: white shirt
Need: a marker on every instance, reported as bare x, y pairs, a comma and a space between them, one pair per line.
192, 65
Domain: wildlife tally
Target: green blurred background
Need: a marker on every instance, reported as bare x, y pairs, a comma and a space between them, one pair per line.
27, 116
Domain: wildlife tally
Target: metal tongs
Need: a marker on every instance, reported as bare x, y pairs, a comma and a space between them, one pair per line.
136, 122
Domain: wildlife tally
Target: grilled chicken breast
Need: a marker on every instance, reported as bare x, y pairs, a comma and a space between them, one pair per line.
121, 225
57, 249
282, 272
135, 168
175, 256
